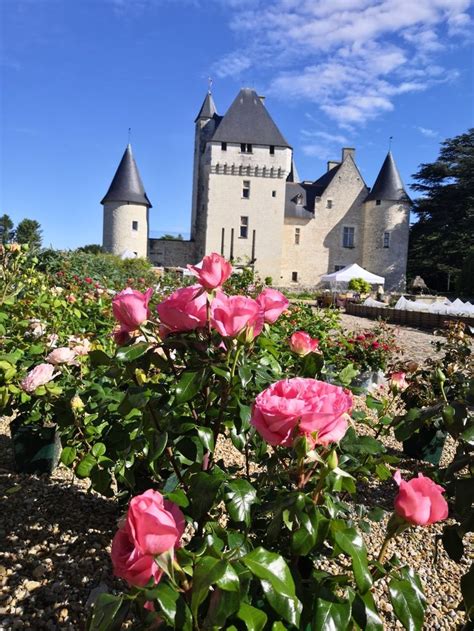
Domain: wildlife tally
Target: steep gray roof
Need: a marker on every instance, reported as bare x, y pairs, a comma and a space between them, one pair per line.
305, 210
323, 182
388, 185
127, 185
208, 108
247, 121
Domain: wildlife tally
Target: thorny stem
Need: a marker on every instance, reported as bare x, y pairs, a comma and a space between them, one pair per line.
383, 549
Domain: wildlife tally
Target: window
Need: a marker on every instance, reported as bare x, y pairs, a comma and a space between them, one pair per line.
329, 203
378, 202
246, 189
348, 237
272, 150
274, 193
386, 239
297, 236
245, 148
338, 267
224, 146
294, 277
134, 225
244, 227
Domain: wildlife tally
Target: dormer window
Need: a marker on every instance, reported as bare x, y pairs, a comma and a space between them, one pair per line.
245, 148
299, 199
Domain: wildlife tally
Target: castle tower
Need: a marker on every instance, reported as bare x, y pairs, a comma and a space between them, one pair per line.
240, 185
386, 227
126, 208
205, 125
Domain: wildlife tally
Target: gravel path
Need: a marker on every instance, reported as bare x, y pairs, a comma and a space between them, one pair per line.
54, 556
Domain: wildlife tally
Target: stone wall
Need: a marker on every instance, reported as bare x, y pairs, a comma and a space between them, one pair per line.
118, 232
171, 253
321, 247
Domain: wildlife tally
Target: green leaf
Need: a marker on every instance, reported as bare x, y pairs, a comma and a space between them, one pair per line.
98, 449
108, 614
240, 496
365, 613
84, 468
188, 386
408, 602
130, 353
467, 590
254, 619
245, 374
207, 437
468, 435
68, 455
332, 613
351, 542
278, 626
99, 358
203, 490
347, 374
276, 581
207, 572
229, 581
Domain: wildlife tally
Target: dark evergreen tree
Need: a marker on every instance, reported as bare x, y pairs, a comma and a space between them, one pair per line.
443, 236
29, 231
7, 233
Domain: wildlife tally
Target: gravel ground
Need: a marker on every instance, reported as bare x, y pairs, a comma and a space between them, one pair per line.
54, 556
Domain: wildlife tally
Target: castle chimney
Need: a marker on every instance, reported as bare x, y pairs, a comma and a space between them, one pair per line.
332, 164
348, 151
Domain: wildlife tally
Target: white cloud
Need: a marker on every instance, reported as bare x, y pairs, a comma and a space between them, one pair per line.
350, 57
429, 133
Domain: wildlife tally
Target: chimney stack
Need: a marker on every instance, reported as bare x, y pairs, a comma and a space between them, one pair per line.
348, 151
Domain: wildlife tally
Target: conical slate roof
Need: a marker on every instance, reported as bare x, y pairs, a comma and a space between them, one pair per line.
388, 185
127, 185
208, 108
247, 121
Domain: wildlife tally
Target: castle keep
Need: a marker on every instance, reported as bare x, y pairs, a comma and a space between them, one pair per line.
249, 205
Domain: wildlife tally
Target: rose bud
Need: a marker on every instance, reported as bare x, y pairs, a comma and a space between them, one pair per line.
212, 271
302, 343
273, 304
130, 308
398, 382
420, 501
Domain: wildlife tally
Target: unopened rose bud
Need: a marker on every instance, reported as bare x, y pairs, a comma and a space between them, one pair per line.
332, 461
440, 375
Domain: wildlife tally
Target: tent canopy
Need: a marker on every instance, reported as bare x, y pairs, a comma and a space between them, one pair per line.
353, 271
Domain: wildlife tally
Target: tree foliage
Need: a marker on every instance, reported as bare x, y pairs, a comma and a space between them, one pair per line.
441, 240
6, 229
29, 231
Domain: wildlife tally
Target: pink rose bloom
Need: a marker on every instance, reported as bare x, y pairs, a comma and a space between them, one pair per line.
308, 407
212, 271
130, 564
302, 343
184, 310
130, 308
231, 315
398, 382
62, 355
420, 501
39, 376
273, 303
155, 525
83, 347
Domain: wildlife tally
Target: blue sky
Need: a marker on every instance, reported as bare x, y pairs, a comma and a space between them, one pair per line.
76, 74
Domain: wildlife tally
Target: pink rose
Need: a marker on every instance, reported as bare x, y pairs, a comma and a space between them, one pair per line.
130, 564
232, 315
184, 310
130, 308
212, 271
273, 303
62, 355
420, 501
398, 382
82, 347
300, 406
154, 524
39, 376
302, 343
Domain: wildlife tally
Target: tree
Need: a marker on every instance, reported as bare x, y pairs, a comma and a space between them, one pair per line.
92, 248
7, 233
171, 237
29, 231
442, 238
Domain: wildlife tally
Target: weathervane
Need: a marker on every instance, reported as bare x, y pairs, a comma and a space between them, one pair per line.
129, 134
209, 85
390, 143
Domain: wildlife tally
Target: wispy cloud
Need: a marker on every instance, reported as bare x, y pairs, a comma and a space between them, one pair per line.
352, 58
429, 133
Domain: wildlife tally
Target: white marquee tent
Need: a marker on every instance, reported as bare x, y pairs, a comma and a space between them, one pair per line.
349, 272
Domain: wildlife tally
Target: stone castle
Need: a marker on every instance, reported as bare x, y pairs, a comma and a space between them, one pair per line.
249, 205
